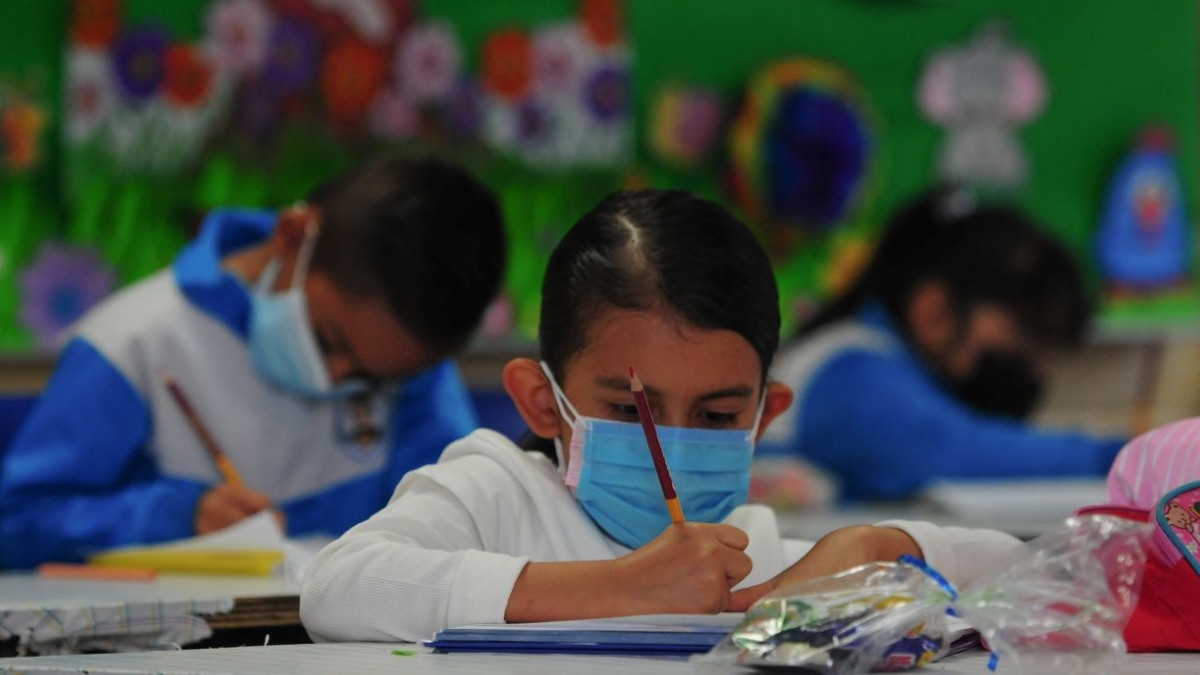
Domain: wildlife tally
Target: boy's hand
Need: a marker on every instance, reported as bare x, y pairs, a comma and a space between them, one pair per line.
226, 504
835, 552
687, 569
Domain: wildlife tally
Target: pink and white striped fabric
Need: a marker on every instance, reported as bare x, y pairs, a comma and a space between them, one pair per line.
1154, 463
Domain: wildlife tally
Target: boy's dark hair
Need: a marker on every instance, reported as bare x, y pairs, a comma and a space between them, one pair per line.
982, 254
647, 248
420, 233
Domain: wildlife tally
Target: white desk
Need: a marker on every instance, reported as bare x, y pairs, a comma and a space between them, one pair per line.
1025, 508
66, 616
367, 659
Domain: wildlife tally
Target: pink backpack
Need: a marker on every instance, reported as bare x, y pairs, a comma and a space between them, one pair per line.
1156, 478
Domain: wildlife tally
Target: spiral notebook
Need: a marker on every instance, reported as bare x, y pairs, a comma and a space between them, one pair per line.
656, 634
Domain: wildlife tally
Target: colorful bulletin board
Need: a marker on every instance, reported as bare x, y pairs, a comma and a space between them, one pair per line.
123, 121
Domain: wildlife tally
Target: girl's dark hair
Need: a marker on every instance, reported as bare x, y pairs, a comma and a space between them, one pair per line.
645, 249
983, 254
420, 233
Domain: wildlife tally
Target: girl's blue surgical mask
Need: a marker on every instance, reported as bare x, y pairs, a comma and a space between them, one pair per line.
282, 346
611, 472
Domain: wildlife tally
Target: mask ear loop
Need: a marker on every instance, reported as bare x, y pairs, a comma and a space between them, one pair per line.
762, 404
306, 253
563, 406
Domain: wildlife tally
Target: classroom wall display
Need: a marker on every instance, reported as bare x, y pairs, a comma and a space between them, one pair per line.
150, 113
980, 93
1143, 241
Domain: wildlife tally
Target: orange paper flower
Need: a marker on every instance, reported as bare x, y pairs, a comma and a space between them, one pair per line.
508, 64
353, 73
602, 21
189, 78
94, 23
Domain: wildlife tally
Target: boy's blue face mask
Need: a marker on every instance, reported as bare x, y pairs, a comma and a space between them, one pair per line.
282, 346
612, 473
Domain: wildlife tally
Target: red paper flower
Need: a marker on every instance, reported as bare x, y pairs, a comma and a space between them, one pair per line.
508, 64
353, 73
189, 77
602, 21
94, 23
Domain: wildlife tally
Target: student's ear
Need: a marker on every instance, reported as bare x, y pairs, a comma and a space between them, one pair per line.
932, 322
530, 392
779, 399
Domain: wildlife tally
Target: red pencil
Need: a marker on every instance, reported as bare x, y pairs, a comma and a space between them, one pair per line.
656, 452
228, 471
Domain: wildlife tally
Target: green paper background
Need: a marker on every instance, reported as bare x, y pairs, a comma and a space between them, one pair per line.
1111, 67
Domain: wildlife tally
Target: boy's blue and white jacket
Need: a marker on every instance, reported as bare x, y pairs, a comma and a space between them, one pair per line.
107, 458
869, 411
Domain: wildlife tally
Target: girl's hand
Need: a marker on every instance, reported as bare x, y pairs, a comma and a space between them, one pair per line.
835, 552
688, 569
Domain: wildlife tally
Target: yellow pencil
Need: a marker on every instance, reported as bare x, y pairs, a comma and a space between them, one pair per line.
228, 471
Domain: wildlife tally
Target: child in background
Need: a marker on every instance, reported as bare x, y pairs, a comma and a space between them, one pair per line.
574, 524
313, 344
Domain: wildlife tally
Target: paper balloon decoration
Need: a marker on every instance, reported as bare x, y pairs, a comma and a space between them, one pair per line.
800, 145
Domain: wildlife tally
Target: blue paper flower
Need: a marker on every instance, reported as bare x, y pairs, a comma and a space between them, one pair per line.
58, 287
139, 60
606, 94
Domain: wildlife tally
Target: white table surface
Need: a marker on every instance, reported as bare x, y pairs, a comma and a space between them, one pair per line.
370, 658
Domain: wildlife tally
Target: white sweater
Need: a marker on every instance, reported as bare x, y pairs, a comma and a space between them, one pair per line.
448, 547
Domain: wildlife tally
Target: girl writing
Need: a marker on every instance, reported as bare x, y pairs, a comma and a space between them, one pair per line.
574, 525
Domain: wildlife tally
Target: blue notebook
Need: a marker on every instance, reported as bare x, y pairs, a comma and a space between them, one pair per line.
660, 634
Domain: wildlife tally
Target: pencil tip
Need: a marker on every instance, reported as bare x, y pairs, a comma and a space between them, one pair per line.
635, 383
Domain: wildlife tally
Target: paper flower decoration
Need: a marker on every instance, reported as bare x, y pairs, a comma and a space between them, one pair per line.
291, 56
498, 320
90, 92
21, 125
429, 61
393, 116
371, 19
606, 94
238, 33
685, 123
58, 287
463, 110
189, 77
507, 64
353, 73
139, 59
94, 23
559, 56
602, 21
800, 145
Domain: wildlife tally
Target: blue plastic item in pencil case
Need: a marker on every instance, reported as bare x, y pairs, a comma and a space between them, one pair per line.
1060, 608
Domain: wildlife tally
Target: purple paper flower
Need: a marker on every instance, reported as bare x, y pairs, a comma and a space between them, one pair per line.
559, 55
429, 61
533, 123
139, 59
238, 35
58, 287
463, 109
606, 94
292, 57
393, 116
